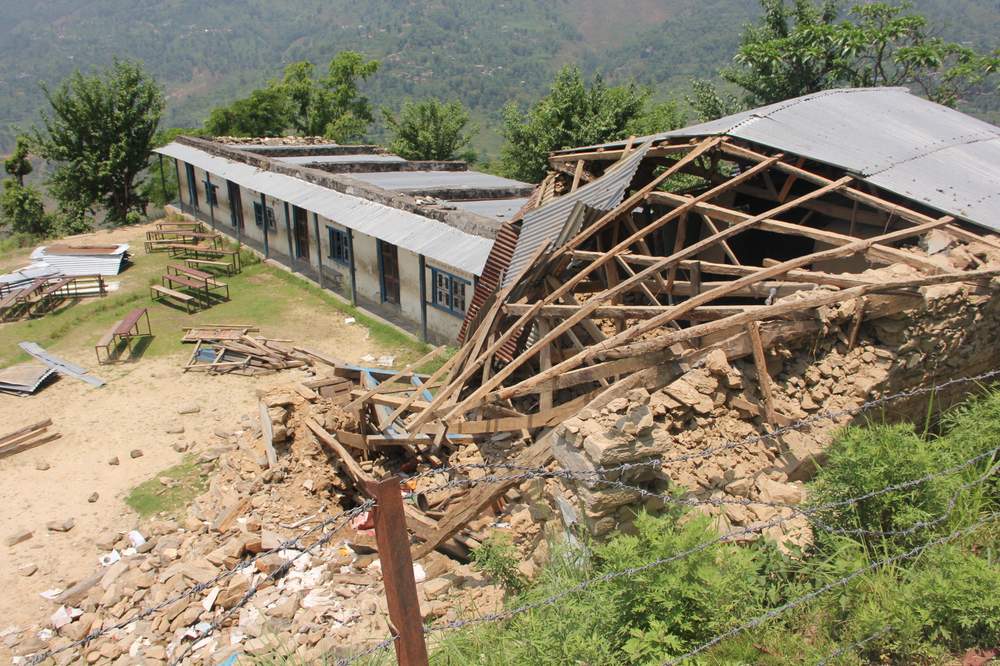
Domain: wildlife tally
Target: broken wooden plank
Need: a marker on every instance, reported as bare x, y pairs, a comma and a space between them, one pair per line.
763, 377
267, 435
9, 437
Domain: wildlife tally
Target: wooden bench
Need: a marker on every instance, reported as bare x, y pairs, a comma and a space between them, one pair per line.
210, 280
159, 291
195, 263
106, 342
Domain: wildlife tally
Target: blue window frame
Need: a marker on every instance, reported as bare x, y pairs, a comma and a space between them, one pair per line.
340, 245
448, 292
211, 192
192, 186
260, 212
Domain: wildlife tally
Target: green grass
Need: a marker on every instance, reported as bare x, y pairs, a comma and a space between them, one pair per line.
271, 298
152, 497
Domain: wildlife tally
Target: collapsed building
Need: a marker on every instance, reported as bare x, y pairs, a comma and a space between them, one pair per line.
669, 297
406, 240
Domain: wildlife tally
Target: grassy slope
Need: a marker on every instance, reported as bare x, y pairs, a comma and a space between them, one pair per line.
261, 295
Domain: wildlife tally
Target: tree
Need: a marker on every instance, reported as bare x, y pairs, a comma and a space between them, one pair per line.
351, 112
99, 136
572, 114
265, 112
708, 103
330, 106
801, 48
21, 209
18, 165
656, 118
429, 130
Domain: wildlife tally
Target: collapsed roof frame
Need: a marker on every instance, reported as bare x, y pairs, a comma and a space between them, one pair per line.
563, 358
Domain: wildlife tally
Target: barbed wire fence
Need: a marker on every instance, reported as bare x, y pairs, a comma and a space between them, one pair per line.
609, 477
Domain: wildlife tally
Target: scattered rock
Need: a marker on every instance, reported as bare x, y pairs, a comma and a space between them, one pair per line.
113, 460
174, 430
60, 525
41, 465
180, 447
190, 408
135, 453
93, 497
27, 570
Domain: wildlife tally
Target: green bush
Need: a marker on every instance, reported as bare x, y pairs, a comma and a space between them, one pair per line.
498, 558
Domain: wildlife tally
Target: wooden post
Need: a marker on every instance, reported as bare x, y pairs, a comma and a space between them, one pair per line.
545, 359
163, 180
263, 217
211, 198
354, 281
760, 362
177, 170
422, 267
288, 231
577, 174
319, 249
397, 573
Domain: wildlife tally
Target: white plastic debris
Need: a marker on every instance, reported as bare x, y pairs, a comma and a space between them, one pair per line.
60, 618
108, 559
419, 573
136, 539
51, 594
349, 320
209, 600
45, 635
386, 361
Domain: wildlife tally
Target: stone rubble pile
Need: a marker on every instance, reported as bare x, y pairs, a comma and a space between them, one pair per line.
950, 332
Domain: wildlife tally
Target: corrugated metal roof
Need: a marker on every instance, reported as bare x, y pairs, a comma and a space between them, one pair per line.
545, 224
433, 239
81, 261
504, 209
415, 181
907, 145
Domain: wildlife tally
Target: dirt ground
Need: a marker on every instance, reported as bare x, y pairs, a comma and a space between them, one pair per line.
133, 411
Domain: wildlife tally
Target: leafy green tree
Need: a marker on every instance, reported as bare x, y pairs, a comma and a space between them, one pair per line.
429, 130
708, 103
799, 47
350, 111
330, 106
18, 165
656, 118
265, 112
22, 211
571, 114
99, 137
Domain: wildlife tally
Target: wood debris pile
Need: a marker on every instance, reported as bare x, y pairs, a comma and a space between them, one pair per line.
237, 350
27, 438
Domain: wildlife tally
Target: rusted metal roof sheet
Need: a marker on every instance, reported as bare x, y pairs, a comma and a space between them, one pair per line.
544, 225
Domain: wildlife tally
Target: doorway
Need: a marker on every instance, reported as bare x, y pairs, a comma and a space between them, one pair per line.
301, 233
235, 204
388, 261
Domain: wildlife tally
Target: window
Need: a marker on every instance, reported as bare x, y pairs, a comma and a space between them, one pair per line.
448, 291
340, 245
260, 212
192, 187
211, 193
235, 204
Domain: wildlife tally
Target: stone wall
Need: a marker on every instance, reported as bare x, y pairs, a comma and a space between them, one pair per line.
945, 332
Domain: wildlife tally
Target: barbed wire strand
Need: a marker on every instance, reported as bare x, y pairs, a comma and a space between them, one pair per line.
292, 544
824, 415
729, 536
346, 516
851, 647
841, 582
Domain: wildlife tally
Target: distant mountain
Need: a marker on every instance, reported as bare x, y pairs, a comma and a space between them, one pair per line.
485, 53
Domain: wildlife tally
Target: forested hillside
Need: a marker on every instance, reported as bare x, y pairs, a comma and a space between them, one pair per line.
484, 53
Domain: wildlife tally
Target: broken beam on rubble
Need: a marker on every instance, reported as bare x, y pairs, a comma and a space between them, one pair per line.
407, 371
739, 320
760, 363
860, 196
593, 303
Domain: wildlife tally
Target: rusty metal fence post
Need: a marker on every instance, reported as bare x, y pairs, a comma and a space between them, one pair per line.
397, 573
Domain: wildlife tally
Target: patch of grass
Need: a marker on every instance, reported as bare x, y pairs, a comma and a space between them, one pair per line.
261, 295
152, 497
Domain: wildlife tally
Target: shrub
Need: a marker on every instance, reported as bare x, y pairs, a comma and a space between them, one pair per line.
498, 558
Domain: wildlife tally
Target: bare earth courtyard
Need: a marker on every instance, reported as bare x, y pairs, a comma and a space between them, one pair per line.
135, 410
